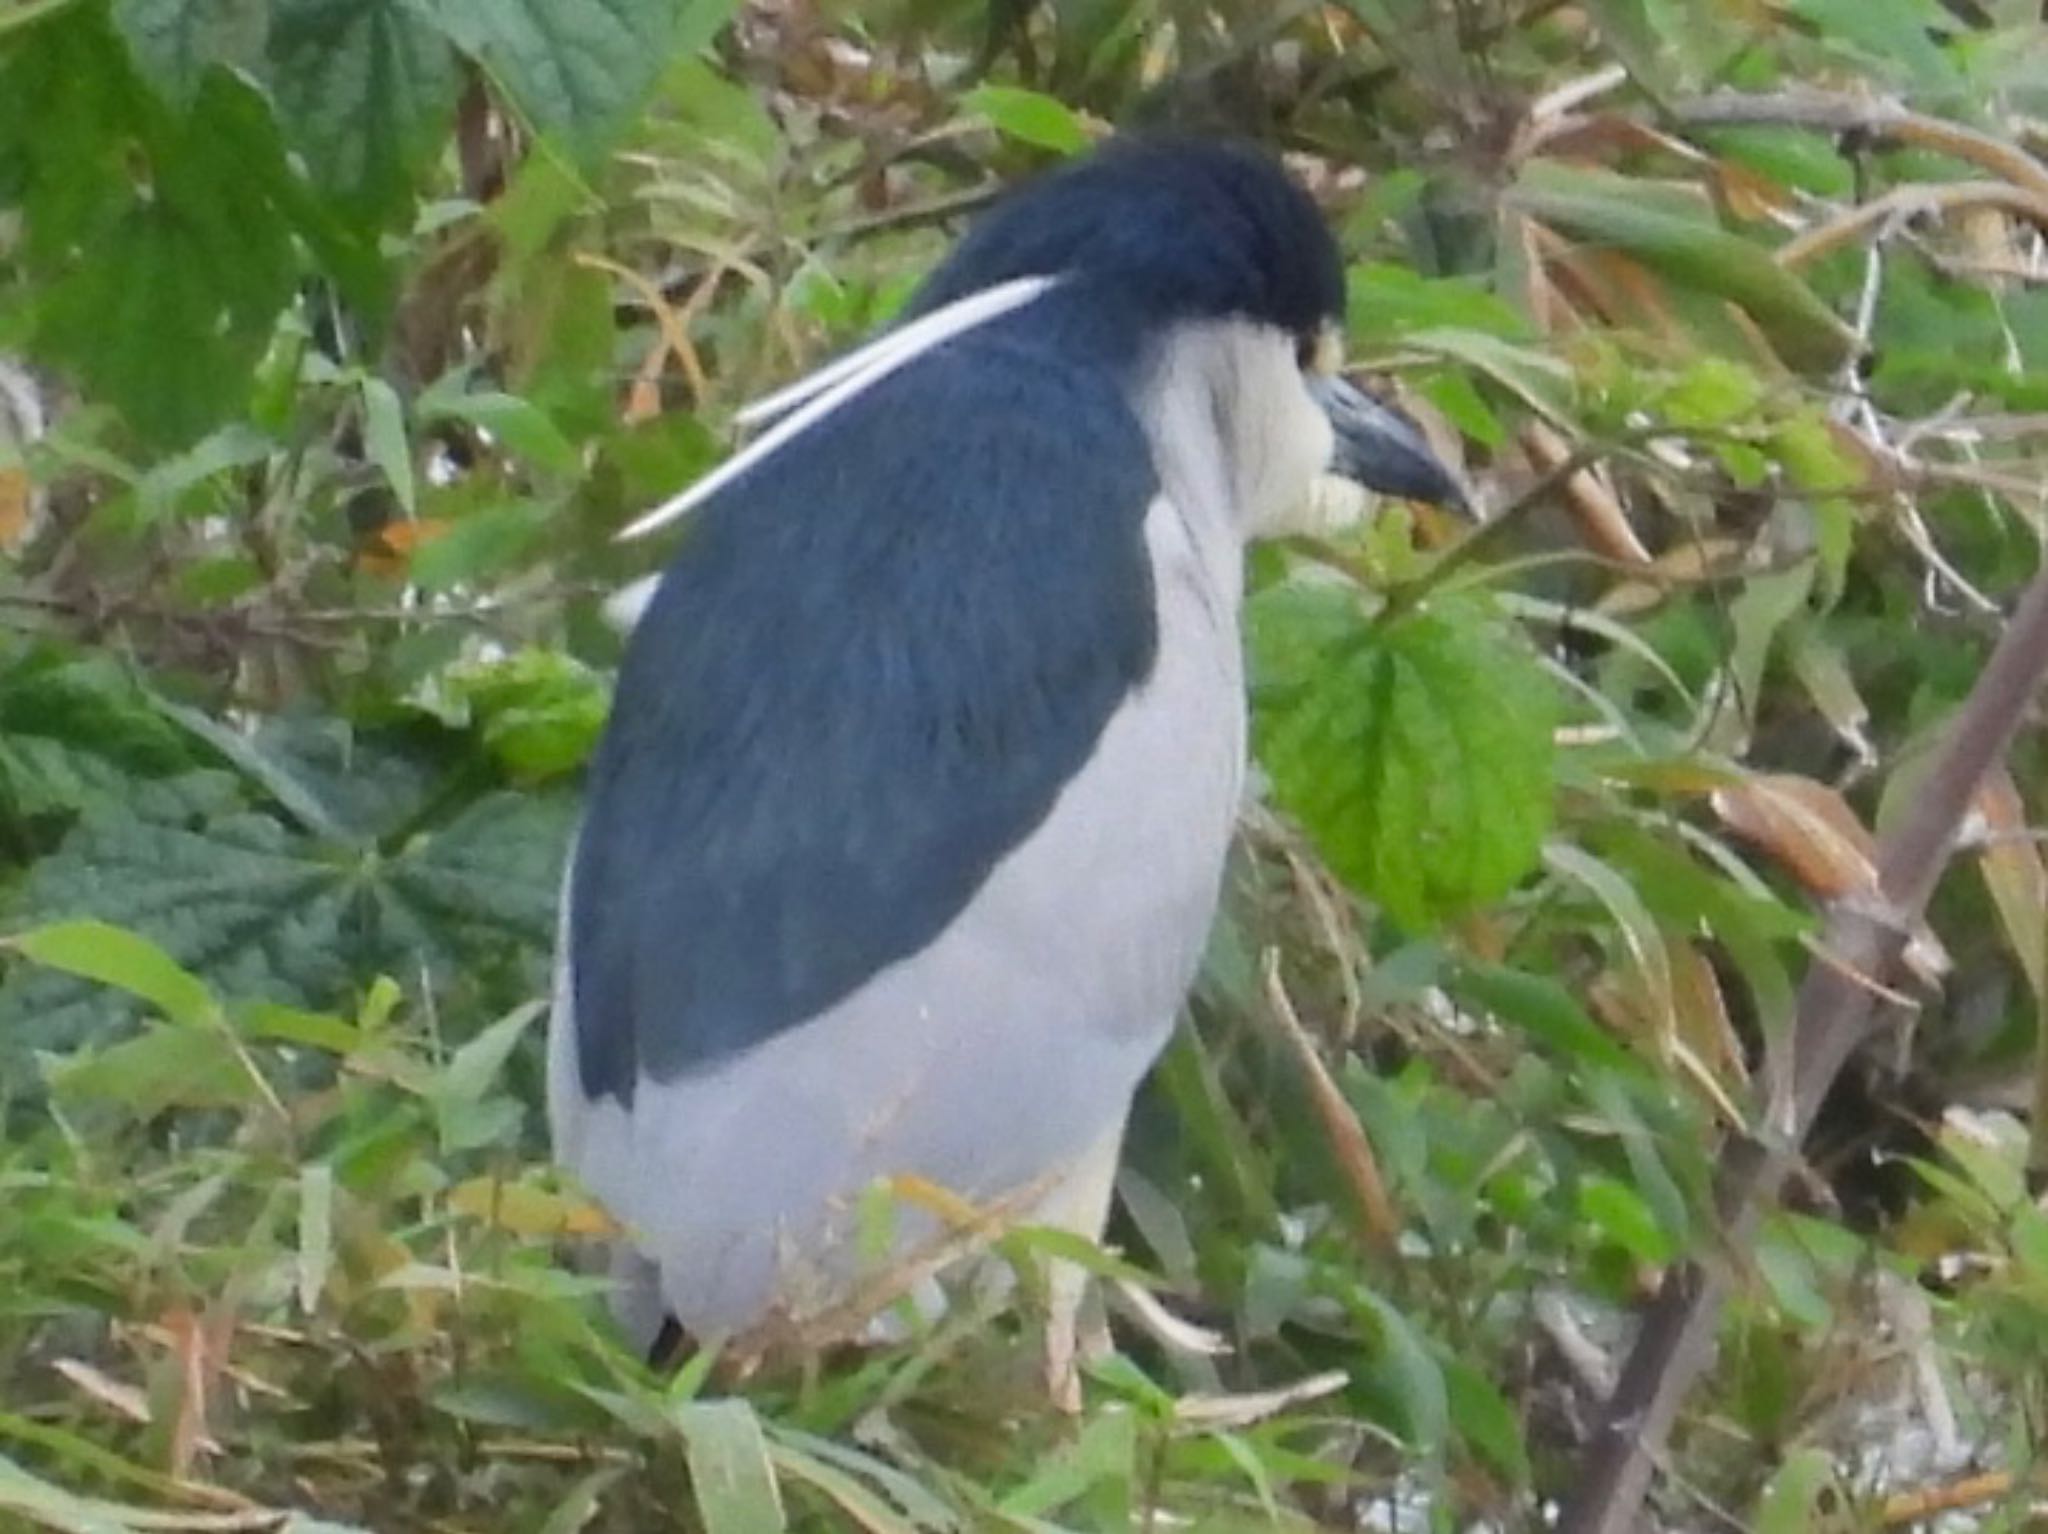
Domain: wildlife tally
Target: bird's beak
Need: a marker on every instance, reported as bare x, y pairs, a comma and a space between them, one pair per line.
1382, 449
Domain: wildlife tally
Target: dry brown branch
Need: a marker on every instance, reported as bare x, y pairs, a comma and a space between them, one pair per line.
1905, 201
1348, 1142
1836, 1014
1876, 115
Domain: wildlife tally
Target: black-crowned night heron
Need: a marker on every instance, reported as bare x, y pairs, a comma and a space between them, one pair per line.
908, 828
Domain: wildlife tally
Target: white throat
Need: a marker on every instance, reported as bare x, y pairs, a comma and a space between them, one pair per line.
1238, 439
1233, 426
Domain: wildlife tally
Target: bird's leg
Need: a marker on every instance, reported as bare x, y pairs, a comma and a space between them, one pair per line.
1078, 1203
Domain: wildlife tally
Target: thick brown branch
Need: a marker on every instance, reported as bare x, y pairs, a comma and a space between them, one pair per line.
1874, 115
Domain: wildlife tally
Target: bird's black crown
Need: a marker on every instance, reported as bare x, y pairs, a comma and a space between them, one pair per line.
1196, 228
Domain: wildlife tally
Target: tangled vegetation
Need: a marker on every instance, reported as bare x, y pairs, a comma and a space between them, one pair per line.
338, 338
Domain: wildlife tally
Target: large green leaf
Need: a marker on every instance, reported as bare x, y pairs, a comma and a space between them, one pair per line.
175, 42
223, 873
365, 88
1417, 753
576, 68
163, 264
74, 733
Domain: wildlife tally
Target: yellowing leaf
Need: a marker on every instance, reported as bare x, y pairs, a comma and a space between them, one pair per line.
525, 1210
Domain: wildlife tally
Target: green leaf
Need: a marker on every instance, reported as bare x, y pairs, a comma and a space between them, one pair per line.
577, 69
50, 1506
158, 1069
365, 89
1617, 1212
1385, 302
461, 898
175, 42
1105, 1451
480, 544
1415, 1381
187, 273
541, 711
1793, 1497
384, 440
1417, 754
519, 424
235, 446
1614, 212
1895, 36
1030, 117
730, 1474
93, 950
1712, 392
1543, 381
76, 733
316, 1233
1485, 1419
1545, 1010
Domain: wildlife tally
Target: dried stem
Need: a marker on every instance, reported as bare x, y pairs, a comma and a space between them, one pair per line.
1878, 116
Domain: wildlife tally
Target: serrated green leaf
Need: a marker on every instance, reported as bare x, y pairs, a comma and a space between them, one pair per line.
169, 317
261, 908
1030, 117
365, 89
75, 732
1416, 754
540, 711
577, 69
175, 42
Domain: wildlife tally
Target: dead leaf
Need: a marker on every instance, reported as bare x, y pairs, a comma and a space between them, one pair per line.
123, 1399
1807, 826
1748, 194
1812, 832
1595, 509
14, 507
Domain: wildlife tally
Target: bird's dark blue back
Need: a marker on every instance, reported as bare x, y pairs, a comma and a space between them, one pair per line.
866, 675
